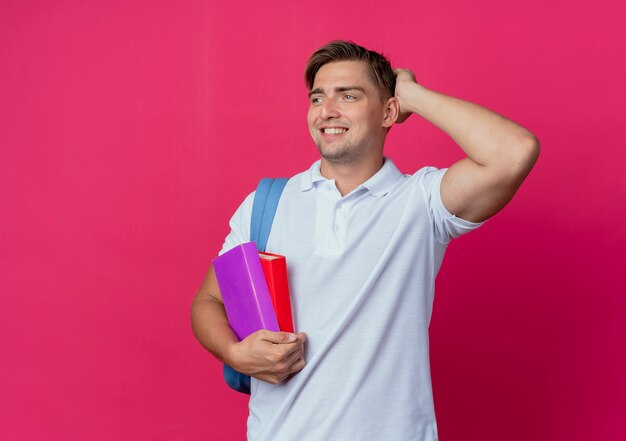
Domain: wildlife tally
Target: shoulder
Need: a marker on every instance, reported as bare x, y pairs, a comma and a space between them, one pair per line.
428, 174
426, 180
244, 213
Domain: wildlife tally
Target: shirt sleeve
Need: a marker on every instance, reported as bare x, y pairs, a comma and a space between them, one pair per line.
447, 226
239, 225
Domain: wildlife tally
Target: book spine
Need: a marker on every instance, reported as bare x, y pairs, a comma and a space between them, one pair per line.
276, 275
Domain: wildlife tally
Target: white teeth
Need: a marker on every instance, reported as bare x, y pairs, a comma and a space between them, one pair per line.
334, 131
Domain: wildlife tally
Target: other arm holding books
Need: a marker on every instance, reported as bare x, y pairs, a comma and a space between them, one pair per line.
265, 355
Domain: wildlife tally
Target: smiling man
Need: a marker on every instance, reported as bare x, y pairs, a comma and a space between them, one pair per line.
364, 243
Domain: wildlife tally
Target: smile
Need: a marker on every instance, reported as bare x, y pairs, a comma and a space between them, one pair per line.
334, 130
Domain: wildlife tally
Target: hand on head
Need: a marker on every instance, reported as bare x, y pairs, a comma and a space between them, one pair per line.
405, 80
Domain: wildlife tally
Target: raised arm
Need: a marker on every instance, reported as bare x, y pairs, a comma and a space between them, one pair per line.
265, 355
500, 153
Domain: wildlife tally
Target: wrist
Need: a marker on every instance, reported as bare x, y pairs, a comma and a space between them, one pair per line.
416, 96
231, 354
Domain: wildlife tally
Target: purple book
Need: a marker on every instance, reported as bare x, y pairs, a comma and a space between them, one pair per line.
244, 290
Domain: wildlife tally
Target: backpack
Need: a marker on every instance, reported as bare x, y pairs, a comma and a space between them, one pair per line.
266, 200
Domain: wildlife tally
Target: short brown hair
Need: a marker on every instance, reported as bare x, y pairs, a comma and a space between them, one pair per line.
378, 65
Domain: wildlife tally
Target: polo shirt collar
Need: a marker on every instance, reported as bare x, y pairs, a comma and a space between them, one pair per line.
311, 176
379, 185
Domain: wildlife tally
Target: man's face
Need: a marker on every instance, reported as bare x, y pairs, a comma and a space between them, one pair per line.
346, 115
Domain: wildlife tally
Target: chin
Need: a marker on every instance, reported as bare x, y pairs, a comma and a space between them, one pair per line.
340, 156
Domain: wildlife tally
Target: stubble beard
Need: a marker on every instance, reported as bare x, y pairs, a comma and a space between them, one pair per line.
342, 154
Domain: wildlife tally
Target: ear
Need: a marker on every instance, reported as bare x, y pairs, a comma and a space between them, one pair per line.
392, 111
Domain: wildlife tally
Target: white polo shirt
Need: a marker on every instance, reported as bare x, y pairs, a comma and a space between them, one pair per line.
361, 271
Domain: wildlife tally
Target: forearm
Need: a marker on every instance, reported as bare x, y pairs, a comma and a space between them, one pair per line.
487, 138
211, 328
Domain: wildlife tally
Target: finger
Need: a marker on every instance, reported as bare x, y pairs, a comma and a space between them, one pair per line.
300, 341
286, 352
294, 354
278, 337
292, 370
297, 365
283, 368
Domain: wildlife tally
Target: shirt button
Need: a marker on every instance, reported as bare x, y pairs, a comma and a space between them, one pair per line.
336, 227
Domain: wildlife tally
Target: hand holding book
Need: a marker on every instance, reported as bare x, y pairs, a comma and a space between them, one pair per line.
254, 295
269, 356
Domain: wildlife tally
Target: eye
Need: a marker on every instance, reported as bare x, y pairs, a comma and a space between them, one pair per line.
349, 97
316, 100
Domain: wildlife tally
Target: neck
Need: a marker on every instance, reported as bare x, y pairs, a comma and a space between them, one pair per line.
349, 176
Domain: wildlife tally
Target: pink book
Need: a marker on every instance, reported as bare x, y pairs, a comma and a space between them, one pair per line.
244, 290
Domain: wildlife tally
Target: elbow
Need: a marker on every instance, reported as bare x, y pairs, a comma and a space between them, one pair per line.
533, 147
527, 152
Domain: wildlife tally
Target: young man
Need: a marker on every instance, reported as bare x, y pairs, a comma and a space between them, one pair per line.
363, 243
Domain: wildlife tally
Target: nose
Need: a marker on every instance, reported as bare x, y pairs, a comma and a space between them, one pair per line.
329, 110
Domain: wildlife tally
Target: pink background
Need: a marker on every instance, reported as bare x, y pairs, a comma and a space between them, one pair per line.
131, 130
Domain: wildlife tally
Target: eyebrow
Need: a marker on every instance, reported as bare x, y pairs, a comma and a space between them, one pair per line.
337, 89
